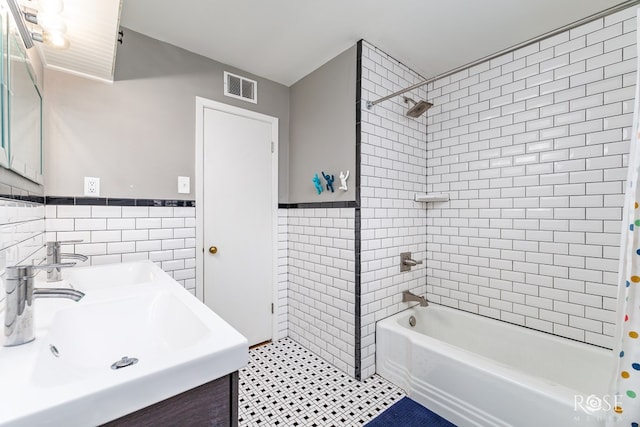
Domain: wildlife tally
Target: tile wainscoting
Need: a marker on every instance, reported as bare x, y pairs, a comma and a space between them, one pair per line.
163, 231
22, 232
163, 234
321, 282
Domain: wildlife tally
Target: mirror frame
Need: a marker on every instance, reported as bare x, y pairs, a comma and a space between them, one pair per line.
13, 46
4, 91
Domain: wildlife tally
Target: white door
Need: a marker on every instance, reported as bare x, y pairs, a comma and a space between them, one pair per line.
238, 220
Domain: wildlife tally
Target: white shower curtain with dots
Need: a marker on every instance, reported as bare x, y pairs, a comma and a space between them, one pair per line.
626, 383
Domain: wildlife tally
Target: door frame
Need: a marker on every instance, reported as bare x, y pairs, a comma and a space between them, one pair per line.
201, 105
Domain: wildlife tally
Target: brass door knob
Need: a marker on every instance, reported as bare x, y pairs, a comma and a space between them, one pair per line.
213, 250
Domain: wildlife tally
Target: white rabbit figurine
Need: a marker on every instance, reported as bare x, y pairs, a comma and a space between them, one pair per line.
343, 181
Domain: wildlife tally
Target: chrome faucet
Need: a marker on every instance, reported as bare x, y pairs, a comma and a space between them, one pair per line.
19, 290
55, 256
409, 297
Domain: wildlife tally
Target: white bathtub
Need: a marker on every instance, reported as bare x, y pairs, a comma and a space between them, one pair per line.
476, 371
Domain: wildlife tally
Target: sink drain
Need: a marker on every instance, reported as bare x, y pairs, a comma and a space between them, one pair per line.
54, 350
124, 362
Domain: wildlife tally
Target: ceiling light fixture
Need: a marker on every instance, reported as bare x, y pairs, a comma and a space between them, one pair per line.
48, 17
53, 39
51, 22
53, 26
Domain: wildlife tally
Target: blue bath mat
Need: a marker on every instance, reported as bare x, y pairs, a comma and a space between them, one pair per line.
407, 413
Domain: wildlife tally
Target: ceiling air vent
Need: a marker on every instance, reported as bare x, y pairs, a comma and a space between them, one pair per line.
240, 87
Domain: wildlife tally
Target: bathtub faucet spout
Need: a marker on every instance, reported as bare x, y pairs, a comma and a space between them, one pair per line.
409, 297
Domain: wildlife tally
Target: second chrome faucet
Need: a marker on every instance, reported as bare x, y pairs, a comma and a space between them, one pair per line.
55, 256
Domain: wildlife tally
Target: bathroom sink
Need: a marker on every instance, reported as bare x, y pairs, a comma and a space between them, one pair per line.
160, 340
89, 338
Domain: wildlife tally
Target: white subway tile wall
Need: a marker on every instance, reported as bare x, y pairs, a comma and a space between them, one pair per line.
113, 234
393, 170
321, 283
21, 234
532, 149
283, 292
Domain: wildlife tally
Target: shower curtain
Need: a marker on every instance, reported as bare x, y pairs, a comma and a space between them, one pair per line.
626, 383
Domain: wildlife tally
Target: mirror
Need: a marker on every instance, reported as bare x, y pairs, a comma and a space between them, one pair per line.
22, 108
4, 137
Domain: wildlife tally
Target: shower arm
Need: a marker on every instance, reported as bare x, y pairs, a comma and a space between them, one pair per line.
552, 33
407, 100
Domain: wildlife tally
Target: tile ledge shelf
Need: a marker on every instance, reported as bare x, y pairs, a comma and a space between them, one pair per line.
431, 197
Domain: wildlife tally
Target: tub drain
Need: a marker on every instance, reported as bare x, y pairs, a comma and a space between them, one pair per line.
412, 321
124, 362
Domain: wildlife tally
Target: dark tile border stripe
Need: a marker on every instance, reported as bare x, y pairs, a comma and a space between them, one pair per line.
30, 199
92, 201
357, 222
61, 200
122, 202
106, 201
316, 205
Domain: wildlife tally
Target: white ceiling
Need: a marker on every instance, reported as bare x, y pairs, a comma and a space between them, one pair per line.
284, 40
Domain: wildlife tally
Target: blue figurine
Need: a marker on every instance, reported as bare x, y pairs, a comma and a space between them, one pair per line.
317, 183
329, 179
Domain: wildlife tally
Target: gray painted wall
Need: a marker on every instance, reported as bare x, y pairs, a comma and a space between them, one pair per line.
138, 134
323, 132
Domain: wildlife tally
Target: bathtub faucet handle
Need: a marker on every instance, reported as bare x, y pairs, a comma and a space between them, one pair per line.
406, 262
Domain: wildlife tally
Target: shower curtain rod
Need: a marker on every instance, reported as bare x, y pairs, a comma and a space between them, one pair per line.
552, 33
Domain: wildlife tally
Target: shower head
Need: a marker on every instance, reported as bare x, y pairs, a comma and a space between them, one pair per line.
418, 107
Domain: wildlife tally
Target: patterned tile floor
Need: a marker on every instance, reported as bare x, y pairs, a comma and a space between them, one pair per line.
286, 385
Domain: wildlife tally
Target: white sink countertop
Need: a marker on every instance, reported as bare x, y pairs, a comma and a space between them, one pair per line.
132, 310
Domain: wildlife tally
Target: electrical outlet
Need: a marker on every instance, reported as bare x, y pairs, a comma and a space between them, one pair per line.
91, 186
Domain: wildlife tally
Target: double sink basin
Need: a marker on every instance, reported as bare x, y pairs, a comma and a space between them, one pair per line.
136, 338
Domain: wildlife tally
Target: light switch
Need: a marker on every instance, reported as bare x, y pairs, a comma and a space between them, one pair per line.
184, 185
